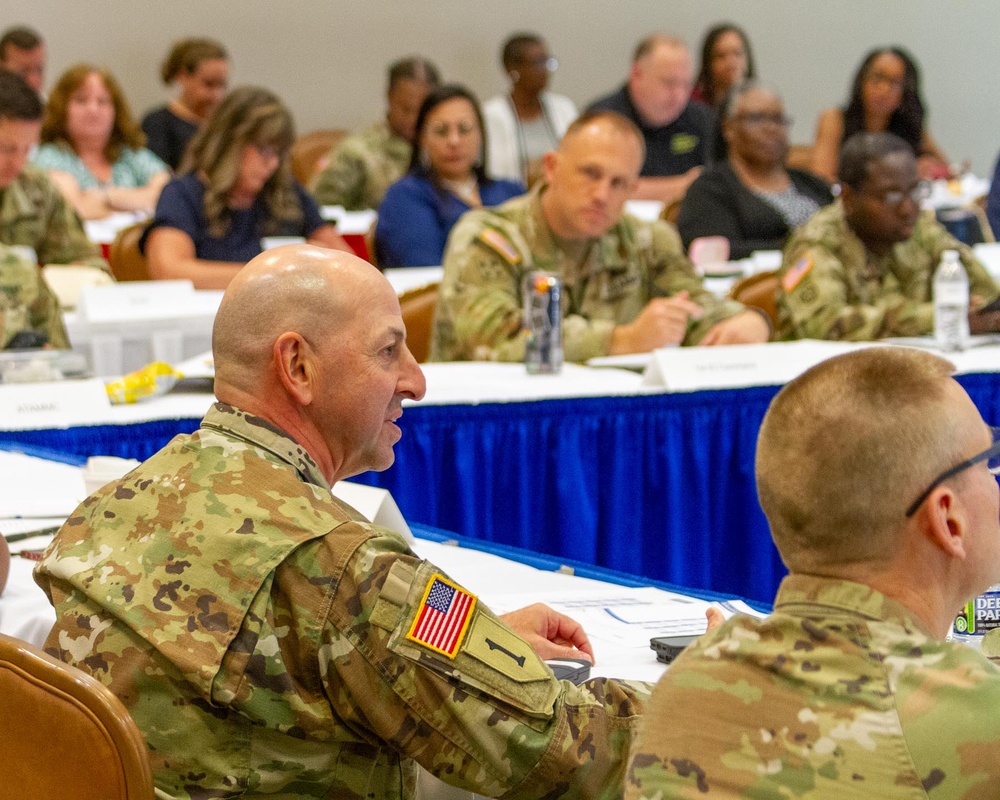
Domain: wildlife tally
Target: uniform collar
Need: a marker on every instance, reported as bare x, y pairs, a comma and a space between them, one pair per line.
16, 203
266, 436
801, 596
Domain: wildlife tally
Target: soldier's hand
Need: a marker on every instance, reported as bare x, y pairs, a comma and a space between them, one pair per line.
984, 322
551, 634
747, 327
715, 618
662, 322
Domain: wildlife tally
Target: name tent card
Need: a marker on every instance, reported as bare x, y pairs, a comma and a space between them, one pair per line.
61, 404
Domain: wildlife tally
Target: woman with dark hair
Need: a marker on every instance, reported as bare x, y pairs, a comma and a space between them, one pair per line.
201, 68
726, 59
94, 150
447, 177
529, 120
234, 188
748, 195
885, 97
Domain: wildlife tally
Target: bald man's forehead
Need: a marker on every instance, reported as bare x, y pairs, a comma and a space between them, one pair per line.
604, 138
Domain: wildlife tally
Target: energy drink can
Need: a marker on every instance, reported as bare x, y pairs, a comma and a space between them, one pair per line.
543, 353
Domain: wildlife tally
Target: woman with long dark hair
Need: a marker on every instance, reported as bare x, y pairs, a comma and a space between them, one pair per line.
885, 97
726, 60
447, 177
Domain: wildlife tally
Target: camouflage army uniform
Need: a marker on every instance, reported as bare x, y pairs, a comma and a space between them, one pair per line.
26, 301
830, 287
361, 168
33, 213
489, 251
262, 643
841, 693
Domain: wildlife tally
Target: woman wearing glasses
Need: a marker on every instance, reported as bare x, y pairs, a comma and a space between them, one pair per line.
234, 188
885, 98
447, 177
748, 195
529, 120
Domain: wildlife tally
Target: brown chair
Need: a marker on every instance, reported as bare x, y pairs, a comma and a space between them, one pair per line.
64, 733
311, 152
671, 211
127, 263
417, 306
759, 291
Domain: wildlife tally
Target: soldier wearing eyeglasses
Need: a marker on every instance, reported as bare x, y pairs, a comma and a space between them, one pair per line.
862, 268
874, 471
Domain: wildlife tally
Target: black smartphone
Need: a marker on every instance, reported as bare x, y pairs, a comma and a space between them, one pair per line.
667, 648
575, 670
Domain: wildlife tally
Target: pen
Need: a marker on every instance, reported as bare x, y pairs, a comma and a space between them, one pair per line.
20, 537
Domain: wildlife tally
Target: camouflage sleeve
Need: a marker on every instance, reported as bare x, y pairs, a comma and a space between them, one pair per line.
478, 313
936, 239
46, 316
813, 303
671, 272
342, 182
65, 239
480, 711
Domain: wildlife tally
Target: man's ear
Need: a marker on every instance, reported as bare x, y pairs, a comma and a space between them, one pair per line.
549, 161
944, 522
294, 364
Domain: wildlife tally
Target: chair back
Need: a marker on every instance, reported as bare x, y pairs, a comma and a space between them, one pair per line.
127, 263
759, 291
417, 306
311, 152
800, 156
64, 733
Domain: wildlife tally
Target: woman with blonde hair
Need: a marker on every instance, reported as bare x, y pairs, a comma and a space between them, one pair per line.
234, 189
93, 149
200, 67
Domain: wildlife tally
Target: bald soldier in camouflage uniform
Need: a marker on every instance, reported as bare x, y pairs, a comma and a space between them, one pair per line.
849, 689
270, 642
33, 213
27, 304
627, 285
862, 268
368, 162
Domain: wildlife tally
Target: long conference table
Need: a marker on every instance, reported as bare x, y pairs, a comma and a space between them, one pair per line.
589, 466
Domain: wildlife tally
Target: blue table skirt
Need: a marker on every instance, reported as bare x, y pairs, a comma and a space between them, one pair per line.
657, 485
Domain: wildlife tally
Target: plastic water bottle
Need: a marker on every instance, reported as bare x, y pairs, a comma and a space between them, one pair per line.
980, 618
951, 303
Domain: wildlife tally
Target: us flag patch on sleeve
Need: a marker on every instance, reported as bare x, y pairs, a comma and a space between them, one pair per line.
443, 617
796, 273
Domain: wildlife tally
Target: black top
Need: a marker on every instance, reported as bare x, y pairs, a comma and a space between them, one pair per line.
168, 135
718, 204
670, 149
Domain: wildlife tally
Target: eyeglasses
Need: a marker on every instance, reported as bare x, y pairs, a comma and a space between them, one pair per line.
991, 455
759, 118
889, 80
917, 194
548, 63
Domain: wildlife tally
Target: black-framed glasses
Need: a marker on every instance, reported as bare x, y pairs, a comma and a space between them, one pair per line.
917, 194
991, 455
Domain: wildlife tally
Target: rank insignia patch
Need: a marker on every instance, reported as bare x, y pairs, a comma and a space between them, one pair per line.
443, 617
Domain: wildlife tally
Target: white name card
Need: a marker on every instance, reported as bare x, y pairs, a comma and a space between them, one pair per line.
135, 301
691, 369
60, 404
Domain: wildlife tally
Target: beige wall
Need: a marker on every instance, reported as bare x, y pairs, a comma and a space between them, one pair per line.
327, 57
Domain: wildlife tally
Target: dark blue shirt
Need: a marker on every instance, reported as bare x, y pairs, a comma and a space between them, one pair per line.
415, 218
993, 202
181, 206
670, 149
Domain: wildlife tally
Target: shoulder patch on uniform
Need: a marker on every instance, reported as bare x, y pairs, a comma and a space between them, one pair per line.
443, 617
797, 272
500, 245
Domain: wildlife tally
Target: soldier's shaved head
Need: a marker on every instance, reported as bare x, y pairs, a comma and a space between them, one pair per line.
301, 288
846, 447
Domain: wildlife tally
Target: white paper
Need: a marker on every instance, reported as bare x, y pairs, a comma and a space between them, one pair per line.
37, 489
406, 278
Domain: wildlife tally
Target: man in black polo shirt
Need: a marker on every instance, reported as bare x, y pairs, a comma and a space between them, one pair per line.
657, 99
